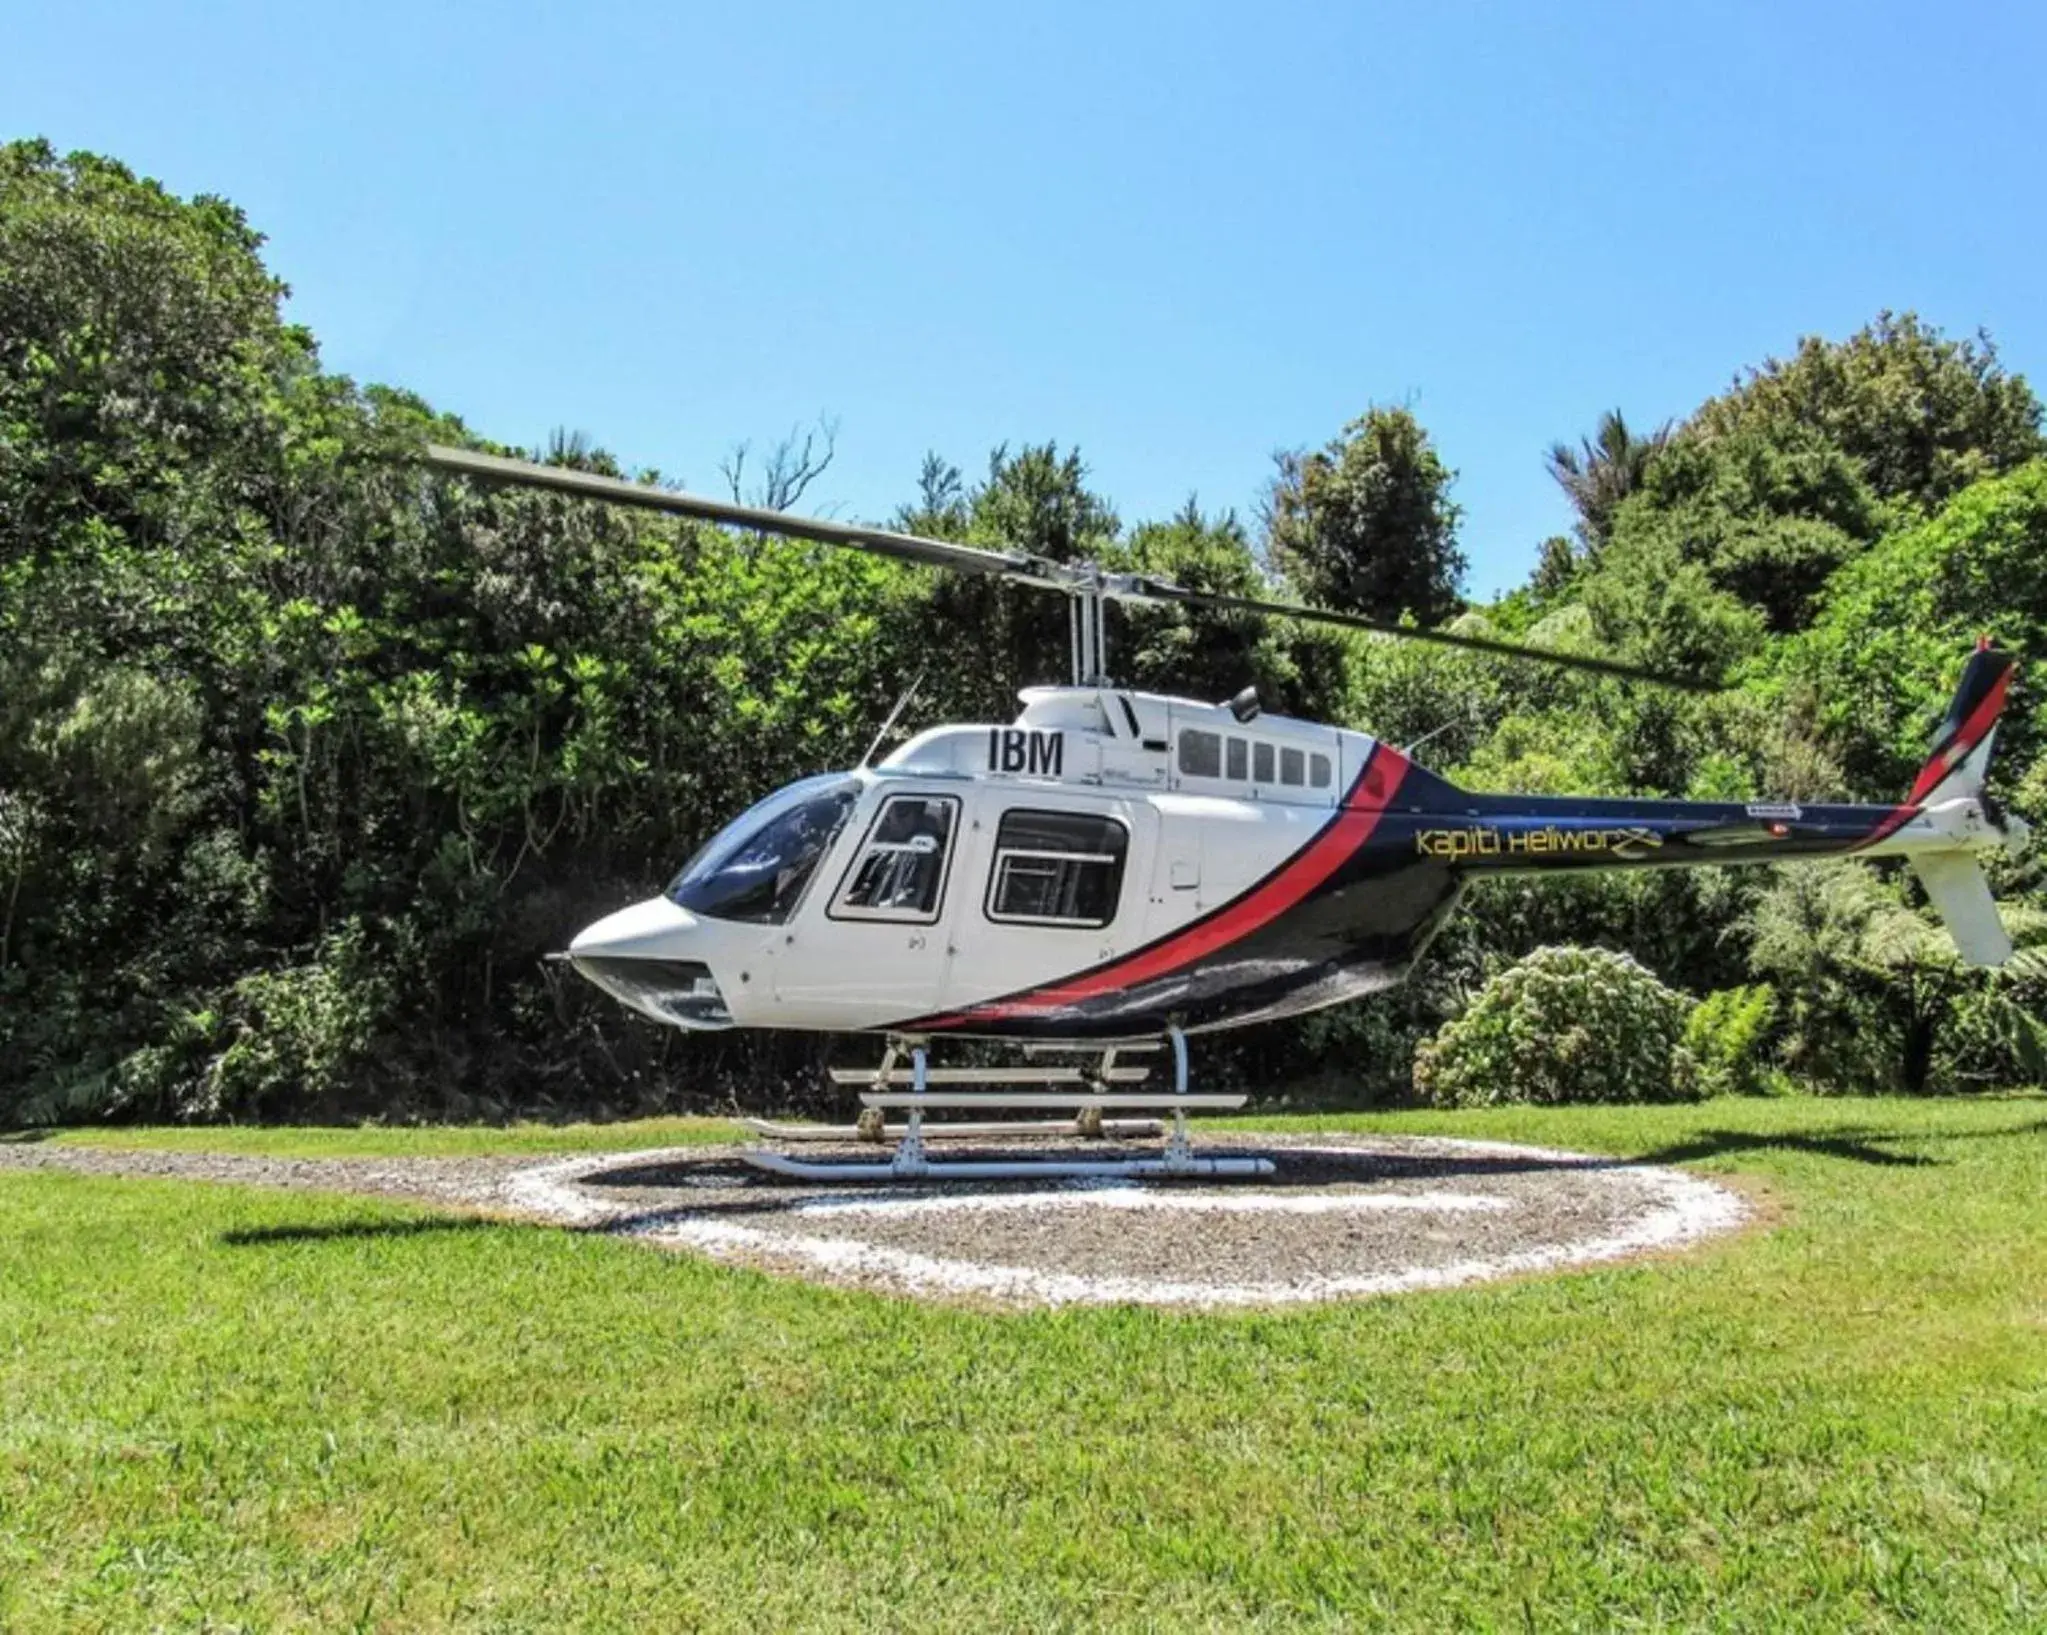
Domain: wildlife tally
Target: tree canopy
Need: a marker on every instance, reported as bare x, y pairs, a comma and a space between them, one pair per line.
1366, 524
1601, 471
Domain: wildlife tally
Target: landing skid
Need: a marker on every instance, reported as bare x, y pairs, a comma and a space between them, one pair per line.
1019, 1169
1089, 1097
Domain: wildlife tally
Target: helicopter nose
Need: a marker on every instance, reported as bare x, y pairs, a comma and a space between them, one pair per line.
648, 957
655, 928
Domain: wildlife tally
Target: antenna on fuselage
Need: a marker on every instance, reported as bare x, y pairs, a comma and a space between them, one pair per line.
887, 726
1433, 732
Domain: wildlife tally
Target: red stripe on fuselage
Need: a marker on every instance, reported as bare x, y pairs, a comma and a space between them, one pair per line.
1279, 891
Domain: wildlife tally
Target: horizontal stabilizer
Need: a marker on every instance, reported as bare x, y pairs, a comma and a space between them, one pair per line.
1961, 896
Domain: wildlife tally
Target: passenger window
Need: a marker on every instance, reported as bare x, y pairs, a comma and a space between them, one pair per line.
1261, 763
1201, 754
1057, 868
1237, 752
900, 872
1292, 767
1318, 771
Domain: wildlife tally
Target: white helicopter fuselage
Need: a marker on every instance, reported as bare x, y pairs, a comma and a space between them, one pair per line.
1064, 842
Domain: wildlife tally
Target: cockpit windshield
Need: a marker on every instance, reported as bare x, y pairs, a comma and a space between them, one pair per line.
756, 867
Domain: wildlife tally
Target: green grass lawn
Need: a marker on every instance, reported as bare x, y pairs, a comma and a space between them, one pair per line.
409, 1140
383, 1421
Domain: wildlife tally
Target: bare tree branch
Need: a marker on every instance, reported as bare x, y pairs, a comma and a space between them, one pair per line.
794, 463
733, 467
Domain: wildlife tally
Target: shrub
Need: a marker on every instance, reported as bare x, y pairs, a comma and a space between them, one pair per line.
1726, 1041
302, 1031
1563, 1025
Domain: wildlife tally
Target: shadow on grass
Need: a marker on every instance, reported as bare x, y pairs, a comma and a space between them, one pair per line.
2036, 1126
675, 1188
23, 1138
1856, 1145
257, 1236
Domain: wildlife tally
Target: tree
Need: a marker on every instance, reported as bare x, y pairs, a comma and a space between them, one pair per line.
1366, 525
1792, 473
1195, 651
1037, 501
1001, 637
1653, 606
1881, 659
139, 340
1921, 415
1603, 470
788, 471
1767, 512
1556, 569
940, 511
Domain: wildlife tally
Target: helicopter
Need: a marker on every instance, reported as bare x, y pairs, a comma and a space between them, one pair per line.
1114, 867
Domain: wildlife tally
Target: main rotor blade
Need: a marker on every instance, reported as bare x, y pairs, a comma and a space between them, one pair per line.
1078, 578
930, 553
1166, 592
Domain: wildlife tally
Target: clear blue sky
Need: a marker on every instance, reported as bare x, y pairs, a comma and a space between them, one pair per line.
1181, 237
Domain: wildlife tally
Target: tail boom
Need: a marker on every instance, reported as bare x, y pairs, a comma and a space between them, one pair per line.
1941, 828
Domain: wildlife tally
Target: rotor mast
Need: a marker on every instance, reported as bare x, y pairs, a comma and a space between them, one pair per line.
1087, 608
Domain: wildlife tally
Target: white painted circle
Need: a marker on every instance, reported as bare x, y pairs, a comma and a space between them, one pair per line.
1499, 1211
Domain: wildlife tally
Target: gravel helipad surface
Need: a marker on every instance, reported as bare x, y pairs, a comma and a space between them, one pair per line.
1342, 1217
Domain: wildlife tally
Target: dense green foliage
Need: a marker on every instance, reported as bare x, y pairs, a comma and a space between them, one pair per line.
1561, 1025
227, 1408
305, 762
306, 759
1724, 1050
1367, 524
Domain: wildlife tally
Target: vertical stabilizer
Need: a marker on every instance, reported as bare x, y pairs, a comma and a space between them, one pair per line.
1960, 760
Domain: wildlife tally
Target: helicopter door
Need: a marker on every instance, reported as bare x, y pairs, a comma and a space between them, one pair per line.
876, 949
1049, 884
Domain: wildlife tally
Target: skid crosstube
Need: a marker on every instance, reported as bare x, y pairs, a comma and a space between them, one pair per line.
1089, 1098
1122, 1129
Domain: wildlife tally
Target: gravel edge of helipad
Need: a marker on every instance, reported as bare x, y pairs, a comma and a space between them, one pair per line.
1691, 1210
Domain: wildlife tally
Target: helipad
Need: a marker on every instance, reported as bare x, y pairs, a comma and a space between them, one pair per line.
1341, 1218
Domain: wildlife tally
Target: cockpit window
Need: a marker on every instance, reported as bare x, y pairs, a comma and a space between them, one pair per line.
757, 867
900, 874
